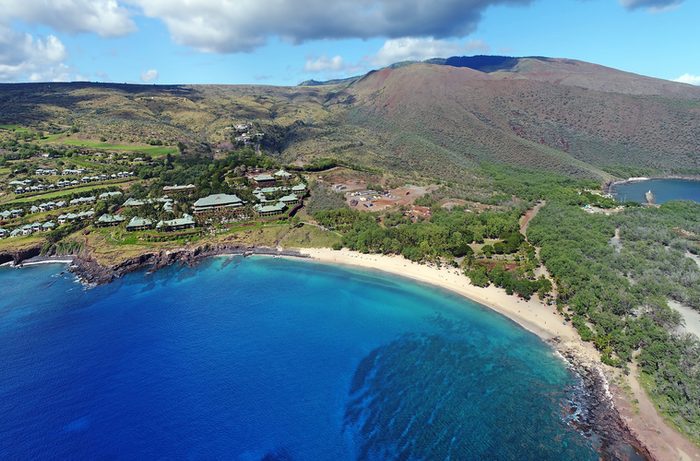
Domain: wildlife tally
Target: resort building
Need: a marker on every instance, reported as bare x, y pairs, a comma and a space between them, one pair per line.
270, 210
133, 202
264, 180
218, 203
299, 189
283, 175
290, 199
137, 224
109, 220
186, 222
108, 195
82, 200
180, 189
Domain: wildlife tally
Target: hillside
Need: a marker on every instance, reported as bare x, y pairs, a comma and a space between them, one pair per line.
442, 119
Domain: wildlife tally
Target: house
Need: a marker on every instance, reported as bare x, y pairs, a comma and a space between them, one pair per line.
217, 203
133, 202
263, 180
109, 220
270, 210
108, 195
83, 200
180, 189
299, 189
48, 225
290, 199
281, 174
186, 222
137, 224
4, 233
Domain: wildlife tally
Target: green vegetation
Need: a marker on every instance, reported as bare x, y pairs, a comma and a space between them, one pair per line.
153, 151
618, 299
63, 193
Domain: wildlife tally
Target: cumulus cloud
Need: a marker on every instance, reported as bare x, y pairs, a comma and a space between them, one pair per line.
106, 18
652, 5
225, 26
324, 64
25, 57
689, 79
419, 49
149, 75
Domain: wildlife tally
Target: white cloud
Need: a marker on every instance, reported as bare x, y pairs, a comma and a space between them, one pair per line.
324, 64
25, 57
149, 76
226, 26
106, 18
419, 49
689, 79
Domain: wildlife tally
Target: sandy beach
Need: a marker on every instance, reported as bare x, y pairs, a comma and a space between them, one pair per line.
532, 315
636, 409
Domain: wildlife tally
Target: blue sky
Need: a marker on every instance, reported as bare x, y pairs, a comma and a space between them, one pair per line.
283, 42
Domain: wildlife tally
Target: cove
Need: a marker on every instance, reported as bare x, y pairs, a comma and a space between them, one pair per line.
274, 359
663, 190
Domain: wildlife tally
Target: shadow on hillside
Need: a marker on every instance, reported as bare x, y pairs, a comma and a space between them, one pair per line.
28, 103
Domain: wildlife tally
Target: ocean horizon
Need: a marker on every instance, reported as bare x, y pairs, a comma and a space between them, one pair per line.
271, 358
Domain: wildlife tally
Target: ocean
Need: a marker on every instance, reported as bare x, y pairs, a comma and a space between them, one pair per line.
271, 359
663, 190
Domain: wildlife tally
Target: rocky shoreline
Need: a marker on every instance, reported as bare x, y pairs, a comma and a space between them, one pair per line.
91, 272
592, 410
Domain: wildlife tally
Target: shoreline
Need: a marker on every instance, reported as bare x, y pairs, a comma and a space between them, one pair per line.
610, 409
608, 186
625, 409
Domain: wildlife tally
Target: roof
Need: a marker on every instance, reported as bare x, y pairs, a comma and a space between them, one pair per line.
186, 220
299, 187
218, 200
139, 222
108, 218
289, 198
178, 188
110, 194
264, 177
282, 174
279, 206
134, 202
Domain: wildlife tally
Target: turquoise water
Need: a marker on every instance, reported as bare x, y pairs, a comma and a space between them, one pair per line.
663, 190
273, 359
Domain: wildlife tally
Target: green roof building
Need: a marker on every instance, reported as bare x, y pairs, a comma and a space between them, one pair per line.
110, 220
186, 222
217, 202
270, 210
137, 224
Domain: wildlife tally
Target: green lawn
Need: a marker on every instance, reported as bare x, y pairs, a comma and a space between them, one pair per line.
14, 127
153, 151
4, 170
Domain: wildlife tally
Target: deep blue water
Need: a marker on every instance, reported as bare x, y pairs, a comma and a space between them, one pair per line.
663, 189
272, 359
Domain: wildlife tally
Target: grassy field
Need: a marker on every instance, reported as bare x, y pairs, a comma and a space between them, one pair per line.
20, 243
153, 151
64, 192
